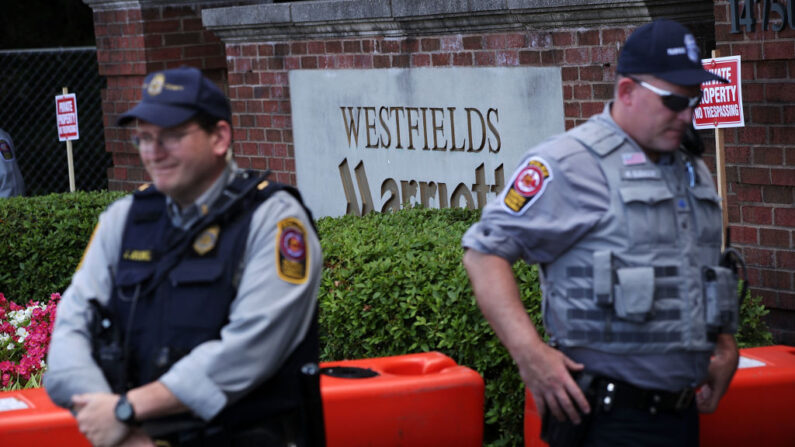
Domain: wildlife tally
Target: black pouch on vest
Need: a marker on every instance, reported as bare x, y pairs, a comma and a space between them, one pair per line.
721, 303
566, 433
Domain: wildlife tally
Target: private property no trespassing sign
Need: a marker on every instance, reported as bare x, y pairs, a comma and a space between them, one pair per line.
66, 117
721, 104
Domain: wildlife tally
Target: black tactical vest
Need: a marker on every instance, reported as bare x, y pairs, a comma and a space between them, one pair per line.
173, 291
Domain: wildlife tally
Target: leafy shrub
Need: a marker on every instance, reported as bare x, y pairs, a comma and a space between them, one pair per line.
753, 331
393, 284
42, 239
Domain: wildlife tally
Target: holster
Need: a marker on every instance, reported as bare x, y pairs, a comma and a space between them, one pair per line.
566, 433
106, 346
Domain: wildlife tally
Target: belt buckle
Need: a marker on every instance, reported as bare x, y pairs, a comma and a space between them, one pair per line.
685, 399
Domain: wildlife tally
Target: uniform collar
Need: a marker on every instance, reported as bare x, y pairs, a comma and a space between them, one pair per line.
185, 218
607, 119
666, 159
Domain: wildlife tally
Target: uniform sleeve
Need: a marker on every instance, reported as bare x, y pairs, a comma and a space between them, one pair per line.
556, 194
11, 183
6, 179
269, 317
70, 368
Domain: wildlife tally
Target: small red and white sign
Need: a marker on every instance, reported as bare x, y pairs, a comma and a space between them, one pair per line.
66, 117
722, 104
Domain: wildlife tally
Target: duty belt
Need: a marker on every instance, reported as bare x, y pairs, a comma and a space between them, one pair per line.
615, 393
276, 431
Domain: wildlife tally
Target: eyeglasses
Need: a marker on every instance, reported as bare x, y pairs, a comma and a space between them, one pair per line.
672, 101
168, 140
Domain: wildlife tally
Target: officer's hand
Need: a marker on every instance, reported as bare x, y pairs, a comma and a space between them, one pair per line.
546, 374
96, 418
722, 366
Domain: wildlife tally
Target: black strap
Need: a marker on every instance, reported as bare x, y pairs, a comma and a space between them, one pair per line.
732, 259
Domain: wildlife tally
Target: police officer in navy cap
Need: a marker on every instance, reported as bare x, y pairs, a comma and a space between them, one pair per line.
626, 229
194, 305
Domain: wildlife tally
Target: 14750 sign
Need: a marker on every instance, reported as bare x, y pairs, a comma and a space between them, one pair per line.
777, 9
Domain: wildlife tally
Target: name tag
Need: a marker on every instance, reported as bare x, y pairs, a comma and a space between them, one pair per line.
137, 255
640, 174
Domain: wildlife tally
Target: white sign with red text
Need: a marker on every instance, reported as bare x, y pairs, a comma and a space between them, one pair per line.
721, 104
66, 117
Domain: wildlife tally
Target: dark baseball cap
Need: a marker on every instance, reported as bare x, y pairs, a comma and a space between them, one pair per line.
667, 50
171, 97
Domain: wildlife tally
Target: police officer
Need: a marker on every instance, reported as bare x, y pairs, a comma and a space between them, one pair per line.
11, 183
626, 229
194, 305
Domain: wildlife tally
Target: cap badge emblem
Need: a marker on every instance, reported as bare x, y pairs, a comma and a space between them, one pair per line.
156, 84
692, 48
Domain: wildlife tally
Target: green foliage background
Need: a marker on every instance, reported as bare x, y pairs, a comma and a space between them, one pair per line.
42, 240
393, 284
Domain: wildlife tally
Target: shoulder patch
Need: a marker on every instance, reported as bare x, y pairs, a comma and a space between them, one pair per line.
292, 253
526, 186
5, 151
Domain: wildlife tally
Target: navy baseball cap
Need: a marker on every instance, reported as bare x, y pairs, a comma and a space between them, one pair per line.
171, 97
667, 50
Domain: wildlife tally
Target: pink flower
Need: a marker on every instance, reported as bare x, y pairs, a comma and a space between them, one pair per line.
24, 359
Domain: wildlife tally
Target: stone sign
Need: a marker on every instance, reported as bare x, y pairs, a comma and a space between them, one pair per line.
379, 140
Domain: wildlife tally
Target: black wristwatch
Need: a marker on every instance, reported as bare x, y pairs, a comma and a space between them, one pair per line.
124, 411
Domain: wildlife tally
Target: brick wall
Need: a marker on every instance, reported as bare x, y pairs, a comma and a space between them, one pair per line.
134, 42
760, 160
259, 90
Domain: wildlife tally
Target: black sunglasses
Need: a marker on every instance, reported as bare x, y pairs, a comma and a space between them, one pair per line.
672, 101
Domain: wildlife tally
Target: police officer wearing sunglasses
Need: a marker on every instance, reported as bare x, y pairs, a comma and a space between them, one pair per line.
626, 228
194, 306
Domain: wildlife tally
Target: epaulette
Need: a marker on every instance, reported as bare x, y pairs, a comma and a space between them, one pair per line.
267, 188
145, 190
600, 139
148, 203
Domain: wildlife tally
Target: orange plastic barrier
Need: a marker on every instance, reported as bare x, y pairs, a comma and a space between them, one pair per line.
415, 400
532, 423
755, 411
29, 418
411, 400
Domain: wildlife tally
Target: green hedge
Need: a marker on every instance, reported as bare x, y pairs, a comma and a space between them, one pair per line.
393, 284
42, 239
